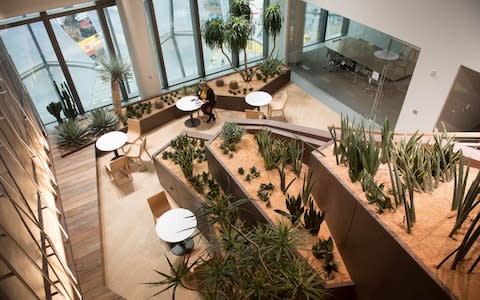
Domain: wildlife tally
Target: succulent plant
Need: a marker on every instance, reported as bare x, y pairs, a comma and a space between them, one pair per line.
71, 134
313, 219
102, 121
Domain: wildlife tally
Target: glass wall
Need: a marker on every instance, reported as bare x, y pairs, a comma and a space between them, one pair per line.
174, 21
313, 25
214, 59
36, 63
82, 42
120, 44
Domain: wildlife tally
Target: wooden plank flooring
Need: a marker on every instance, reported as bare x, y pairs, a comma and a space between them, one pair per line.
77, 180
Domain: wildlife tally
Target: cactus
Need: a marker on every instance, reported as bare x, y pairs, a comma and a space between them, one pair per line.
68, 104
55, 109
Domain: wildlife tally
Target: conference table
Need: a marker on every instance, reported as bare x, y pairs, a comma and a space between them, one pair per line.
363, 53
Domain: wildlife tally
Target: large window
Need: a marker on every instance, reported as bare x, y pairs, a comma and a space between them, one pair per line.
36, 63
120, 44
174, 22
82, 44
81, 39
214, 59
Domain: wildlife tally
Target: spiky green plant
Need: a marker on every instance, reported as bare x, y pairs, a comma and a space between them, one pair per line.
71, 133
470, 238
272, 23
336, 150
375, 193
295, 208
387, 142
116, 71
369, 153
312, 219
322, 247
102, 121
464, 203
307, 187
232, 134
399, 190
258, 262
185, 160
295, 154
283, 186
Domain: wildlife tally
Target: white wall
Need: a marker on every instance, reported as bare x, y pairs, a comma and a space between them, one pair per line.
447, 33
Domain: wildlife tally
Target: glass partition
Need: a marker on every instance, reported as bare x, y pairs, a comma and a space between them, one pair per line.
334, 26
36, 63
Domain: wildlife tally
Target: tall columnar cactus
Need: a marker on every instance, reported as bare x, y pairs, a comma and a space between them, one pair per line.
69, 107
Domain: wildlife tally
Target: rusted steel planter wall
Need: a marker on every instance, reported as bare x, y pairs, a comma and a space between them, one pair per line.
380, 265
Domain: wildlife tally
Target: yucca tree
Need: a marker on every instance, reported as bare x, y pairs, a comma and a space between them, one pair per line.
115, 70
272, 23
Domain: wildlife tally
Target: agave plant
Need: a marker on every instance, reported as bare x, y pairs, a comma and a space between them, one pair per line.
72, 134
102, 121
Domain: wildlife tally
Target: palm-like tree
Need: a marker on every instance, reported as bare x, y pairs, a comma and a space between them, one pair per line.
115, 70
235, 32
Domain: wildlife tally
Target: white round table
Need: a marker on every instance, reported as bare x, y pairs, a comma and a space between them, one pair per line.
111, 141
258, 98
386, 55
190, 104
175, 227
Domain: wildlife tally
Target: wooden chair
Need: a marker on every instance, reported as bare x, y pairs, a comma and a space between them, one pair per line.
158, 205
278, 106
134, 131
118, 165
136, 151
254, 114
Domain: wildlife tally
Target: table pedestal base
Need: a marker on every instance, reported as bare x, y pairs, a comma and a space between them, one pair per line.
182, 248
192, 122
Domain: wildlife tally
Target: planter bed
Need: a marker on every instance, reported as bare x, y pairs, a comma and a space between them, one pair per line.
225, 100
384, 261
255, 211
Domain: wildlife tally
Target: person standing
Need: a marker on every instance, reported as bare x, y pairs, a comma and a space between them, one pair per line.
206, 94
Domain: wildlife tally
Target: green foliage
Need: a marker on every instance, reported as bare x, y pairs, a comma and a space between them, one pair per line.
269, 68
469, 240
295, 208
313, 219
185, 160
102, 121
114, 69
295, 154
375, 194
213, 32
324, 249
281, 173
306, 187
254, 173
138, 110
265, 191
274, 151
399, 192
272, 19
464, 203
387, 142
55, 109
240, 8
237, 31
71, 134
241, 171
69, 106
231, 135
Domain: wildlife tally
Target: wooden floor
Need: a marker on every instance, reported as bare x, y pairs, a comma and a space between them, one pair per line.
77, 179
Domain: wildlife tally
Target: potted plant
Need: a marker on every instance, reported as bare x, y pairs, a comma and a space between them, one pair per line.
115, 71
